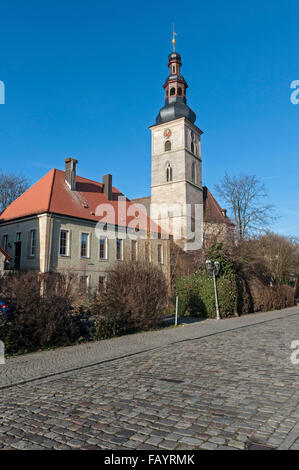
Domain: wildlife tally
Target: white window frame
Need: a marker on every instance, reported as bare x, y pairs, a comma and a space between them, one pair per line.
86, 276
5, 241
160, 246
31, 245
122, 249
88, 245
106, 245
104, 282
67, 242
134, 243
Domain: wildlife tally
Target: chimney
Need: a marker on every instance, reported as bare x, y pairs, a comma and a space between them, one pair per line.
70, 173
107, 186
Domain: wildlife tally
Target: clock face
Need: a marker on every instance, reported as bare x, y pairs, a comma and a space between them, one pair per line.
167, 133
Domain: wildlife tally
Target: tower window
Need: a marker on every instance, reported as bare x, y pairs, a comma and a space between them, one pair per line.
173, 69
172, 91
179, 91
194, 178
168, 173
167, 146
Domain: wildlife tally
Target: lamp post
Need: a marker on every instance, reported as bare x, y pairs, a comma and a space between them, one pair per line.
214, 268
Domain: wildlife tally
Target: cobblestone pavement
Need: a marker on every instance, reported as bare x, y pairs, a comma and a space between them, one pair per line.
42, 364
211, 392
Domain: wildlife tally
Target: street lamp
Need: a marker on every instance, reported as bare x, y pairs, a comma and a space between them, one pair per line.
214, 268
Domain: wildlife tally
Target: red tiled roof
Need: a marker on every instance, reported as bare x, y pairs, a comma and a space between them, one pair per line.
51, 194
212, 210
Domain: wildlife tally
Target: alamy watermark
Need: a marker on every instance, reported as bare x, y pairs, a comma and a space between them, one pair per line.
295, 353
2, 92
2, 352
295, 94
135, 221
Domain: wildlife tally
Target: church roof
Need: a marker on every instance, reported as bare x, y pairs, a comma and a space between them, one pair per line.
212, 210
51, 194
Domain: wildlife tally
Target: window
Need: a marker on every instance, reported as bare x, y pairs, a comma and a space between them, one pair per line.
101, 283
179, 91
32, 248
5, 242
192, 218
173, 69
84, 245
83, 283
103, 248
168, 173
147, 252
167, 146
133, 250
63, 243
193, 173
119, 249
160, 254
192, 147
18, 237
172, 91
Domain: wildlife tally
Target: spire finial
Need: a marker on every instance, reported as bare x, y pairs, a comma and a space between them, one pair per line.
173, 37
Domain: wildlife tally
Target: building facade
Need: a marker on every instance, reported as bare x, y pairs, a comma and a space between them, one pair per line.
71, 225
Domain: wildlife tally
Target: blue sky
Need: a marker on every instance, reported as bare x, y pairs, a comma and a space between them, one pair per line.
84, 79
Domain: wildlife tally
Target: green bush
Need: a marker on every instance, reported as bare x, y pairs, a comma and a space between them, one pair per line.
197, 297
196, 292
109, 326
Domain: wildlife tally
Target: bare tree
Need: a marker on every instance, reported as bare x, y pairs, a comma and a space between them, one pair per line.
280, 255
12, 185
244, 195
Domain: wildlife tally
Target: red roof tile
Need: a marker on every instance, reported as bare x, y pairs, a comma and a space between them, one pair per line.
212, 210
51, 194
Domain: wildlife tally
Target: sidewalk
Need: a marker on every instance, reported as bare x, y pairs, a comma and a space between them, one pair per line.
25, 368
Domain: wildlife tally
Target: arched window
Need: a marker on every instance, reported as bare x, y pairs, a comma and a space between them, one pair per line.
179, 91
168, 173
173, 69
167, 146
172, 91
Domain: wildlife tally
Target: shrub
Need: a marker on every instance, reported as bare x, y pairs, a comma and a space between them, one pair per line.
270, 298
134, 298
40, 321
197, 296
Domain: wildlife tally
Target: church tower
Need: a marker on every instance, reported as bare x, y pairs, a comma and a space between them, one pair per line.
176, 185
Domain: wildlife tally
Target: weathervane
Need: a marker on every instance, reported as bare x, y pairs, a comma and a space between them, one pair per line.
173, 37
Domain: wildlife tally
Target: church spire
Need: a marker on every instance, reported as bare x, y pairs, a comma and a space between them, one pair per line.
175, 88
173, 38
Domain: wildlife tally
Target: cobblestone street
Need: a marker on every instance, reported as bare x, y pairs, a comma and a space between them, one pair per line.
193, 390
